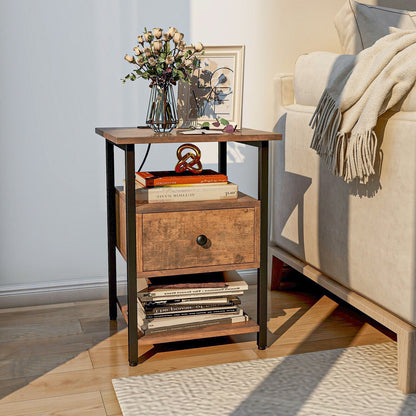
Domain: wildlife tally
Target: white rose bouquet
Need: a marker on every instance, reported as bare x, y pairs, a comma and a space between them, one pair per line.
161, 57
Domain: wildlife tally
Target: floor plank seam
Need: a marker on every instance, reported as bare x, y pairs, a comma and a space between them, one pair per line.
103, 402
63, 396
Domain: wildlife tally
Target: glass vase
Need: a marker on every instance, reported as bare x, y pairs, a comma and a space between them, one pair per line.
162, 115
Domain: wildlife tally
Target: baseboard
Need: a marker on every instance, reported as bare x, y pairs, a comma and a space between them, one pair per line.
46, 293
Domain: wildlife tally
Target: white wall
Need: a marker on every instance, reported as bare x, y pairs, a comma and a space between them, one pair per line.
275, 33
62, 62
60, 78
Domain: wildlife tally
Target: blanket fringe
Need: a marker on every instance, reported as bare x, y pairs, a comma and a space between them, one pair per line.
347, 155
360, 156
325, 121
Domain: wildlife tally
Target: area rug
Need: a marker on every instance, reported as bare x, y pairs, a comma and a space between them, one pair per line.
357, 381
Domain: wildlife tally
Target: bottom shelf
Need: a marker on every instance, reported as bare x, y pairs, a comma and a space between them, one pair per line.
209, 331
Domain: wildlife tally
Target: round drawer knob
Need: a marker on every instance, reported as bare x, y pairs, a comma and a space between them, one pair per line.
201, 240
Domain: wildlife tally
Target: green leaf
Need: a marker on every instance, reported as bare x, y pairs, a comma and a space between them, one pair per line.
224, 122
205, 124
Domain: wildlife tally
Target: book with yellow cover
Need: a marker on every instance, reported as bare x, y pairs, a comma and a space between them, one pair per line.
197, 192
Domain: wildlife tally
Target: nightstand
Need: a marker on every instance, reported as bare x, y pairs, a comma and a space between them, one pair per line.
238, 230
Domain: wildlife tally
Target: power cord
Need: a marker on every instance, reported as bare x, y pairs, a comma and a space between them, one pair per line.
147, 150
145, 157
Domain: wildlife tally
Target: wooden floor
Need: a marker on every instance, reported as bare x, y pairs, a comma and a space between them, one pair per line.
60, 359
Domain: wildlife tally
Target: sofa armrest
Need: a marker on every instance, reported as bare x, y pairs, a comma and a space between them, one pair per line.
314, 70
283, 92
311, 76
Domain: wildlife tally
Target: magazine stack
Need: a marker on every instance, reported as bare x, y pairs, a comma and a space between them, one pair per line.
190, 301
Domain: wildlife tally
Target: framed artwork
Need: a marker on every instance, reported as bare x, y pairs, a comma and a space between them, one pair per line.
216, 88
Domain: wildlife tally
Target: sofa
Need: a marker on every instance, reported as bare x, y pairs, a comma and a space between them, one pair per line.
357, 240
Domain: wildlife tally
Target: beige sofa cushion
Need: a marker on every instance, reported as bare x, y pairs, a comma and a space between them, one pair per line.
360, 25
311, 76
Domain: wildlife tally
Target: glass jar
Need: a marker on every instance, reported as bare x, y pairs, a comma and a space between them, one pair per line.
162, 115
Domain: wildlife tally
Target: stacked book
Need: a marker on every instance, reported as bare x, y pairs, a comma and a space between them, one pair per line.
170, 186
190, 301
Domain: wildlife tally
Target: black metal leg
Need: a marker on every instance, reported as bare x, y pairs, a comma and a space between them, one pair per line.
263, 195
111, 230
131, 254
222, 157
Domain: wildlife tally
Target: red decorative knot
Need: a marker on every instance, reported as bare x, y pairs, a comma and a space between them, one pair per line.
189, 160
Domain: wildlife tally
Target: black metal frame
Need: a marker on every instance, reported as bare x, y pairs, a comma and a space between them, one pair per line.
129, 154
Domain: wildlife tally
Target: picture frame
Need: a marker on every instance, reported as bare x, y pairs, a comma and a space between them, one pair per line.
216, 88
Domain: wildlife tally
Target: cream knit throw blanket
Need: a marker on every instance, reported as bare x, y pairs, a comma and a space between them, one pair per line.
361, 88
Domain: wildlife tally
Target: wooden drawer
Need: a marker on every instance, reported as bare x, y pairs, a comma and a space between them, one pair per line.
167, 242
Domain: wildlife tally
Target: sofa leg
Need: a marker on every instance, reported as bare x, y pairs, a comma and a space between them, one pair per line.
406, 352
277, 271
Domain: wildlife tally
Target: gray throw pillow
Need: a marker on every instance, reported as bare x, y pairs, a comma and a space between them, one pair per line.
361, 25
